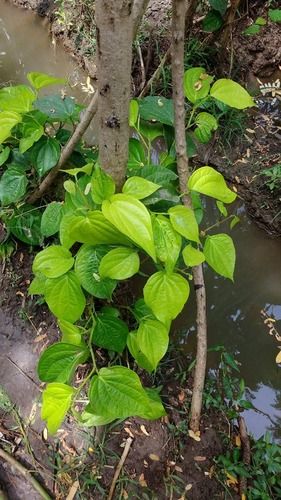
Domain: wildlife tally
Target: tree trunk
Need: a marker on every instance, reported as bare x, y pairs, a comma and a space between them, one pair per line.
114, 22
180, 8
225, 37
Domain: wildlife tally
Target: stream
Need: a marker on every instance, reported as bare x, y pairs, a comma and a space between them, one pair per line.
234, 310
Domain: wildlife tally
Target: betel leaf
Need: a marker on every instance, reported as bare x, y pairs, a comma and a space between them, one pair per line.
70, 186
119, 264
137, 156
31, 129
102, 185
133, 112
153, 339
221, 208
46, 154
86, 169
56, 107
232, 94
220, 254
157, 108
134, 349
166, 294
167, 241
65, 297
110, 332
8, 119
156, 409
13, 185
141, 310
93, 229
158, 175
4, 154
151, 130
275, 15
56, 403
192, 256
131, 218
260, 21
59, 361
89, 419
206, 180
87, 264
219, 5
53, 261
213, 21
184, 222
51, 218
37, 286
196, 84
139, 187
25, 225
206, 123
117, 392
71, 334
18, 99
40, 80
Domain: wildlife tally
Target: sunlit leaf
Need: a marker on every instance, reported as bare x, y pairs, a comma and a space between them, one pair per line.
220, 254
206, 180
56, 402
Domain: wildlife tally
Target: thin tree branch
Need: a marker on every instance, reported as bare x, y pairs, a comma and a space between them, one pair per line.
119, 467
25, 472
156, 74
178, 29
225, 37
67, 149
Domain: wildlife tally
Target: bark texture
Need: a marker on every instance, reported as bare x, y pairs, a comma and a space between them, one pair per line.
115, 29
180, 8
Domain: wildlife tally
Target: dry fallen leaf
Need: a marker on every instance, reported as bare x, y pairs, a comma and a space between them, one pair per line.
124, 494
154, 457
178, 469
126, 429
194, 435
188, 487
142, 481
45, 434
143, 430
73, 491
198, 458
231, 480
181, 396
278, 357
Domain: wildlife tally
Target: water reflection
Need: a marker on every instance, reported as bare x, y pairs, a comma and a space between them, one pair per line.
235, 320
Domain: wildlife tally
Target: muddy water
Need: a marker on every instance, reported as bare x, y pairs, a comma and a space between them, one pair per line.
234, 310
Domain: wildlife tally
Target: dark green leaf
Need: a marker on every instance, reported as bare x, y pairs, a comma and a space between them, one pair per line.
13, 185
213, 21
110, 332
87, 270
46, 154
26, 224
219, 5
157, 108
56, 108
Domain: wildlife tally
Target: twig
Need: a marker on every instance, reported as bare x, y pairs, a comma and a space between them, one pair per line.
119, 467
143, 77
156, 73
73, 491
26, 473
67, 149
246, 453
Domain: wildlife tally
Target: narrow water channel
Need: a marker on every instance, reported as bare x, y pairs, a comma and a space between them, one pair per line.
234, 310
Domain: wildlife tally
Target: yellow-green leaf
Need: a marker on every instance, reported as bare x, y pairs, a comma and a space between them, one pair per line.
56, 403
192, 256
132, 219
184, 222
206, 180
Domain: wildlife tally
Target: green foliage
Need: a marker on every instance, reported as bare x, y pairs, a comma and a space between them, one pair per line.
275, 15
105, 238
273, 175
